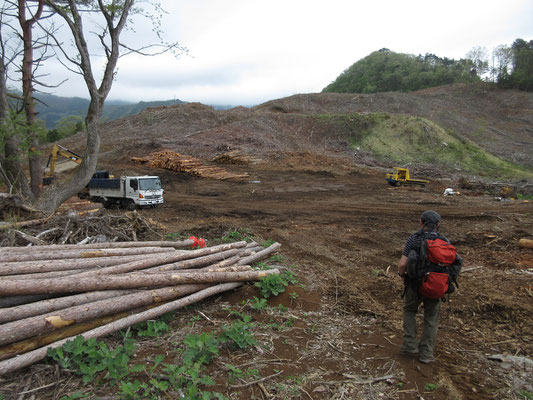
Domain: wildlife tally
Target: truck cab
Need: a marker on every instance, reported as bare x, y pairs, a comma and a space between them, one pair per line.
145, 190
127, 191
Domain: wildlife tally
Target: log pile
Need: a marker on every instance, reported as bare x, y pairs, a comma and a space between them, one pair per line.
235, 157
181, 163
51, 293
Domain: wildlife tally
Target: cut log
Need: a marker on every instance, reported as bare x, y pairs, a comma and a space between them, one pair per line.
34, 254
104, 245
24, 346
231, 268
25, 328
130, 281
34, 356
194, 262
226, 263
45, 275
45, 306
164, 259
260, 254
39, 266
527, 243
8, 225
28, 238
11, 301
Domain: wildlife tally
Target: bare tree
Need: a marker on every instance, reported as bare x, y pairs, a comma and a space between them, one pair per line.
26, 24
10, 153
114, 14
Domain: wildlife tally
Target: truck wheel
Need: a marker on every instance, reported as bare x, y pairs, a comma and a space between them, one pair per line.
130, 205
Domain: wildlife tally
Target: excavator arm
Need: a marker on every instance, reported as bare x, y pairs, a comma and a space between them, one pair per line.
58, 150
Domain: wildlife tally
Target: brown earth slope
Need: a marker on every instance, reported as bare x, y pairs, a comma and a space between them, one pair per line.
498, 121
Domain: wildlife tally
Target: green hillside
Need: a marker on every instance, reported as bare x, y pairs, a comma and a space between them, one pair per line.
387, 71
406, 139
51, 109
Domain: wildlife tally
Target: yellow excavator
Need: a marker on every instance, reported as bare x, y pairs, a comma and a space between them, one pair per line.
401, 176
58, 150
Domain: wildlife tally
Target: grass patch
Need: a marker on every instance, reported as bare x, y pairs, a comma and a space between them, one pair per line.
408, 139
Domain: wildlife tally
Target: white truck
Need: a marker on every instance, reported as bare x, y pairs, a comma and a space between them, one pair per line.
129, 192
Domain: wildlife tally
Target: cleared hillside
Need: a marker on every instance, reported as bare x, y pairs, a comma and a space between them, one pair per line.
456, 128
499, 121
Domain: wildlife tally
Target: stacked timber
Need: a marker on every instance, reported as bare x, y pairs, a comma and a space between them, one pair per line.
49, 294
235, 157
181, 163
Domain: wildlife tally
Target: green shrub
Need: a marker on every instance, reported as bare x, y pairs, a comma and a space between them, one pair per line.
429, 387
92, 357
258, 304
274, 284
200, 348
239, 334
237, 373
152, 328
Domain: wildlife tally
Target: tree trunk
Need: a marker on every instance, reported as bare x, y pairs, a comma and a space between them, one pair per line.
227, 262
100, 246
165, 259
260, 254
14, 349
234, 268
36, 173
46, 306
45, 275
55, 194
41, 266
11, 171
130, 281
80, 253
34, 356
193, 263
11, 301
22, 329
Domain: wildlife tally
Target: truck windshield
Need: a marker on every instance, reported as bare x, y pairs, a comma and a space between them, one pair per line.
150, 184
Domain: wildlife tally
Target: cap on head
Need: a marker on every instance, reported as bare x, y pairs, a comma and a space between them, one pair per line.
431, 217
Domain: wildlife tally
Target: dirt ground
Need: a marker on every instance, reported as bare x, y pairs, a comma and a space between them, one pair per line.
343, 228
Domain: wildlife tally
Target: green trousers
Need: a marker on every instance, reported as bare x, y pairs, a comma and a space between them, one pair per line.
431, 323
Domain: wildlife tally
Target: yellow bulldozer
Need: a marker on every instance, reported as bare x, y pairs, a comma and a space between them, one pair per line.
401, 176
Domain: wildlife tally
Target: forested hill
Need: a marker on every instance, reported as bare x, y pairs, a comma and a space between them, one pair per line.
52, 108
511, 67
387, 71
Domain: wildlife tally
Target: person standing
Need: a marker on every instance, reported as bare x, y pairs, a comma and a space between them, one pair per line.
429, 225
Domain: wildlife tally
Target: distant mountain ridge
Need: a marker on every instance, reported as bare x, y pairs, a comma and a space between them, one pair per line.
52, 108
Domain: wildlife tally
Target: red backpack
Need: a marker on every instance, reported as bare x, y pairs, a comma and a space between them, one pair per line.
437, 268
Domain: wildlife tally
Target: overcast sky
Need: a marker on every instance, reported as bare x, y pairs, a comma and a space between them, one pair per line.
245, 52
